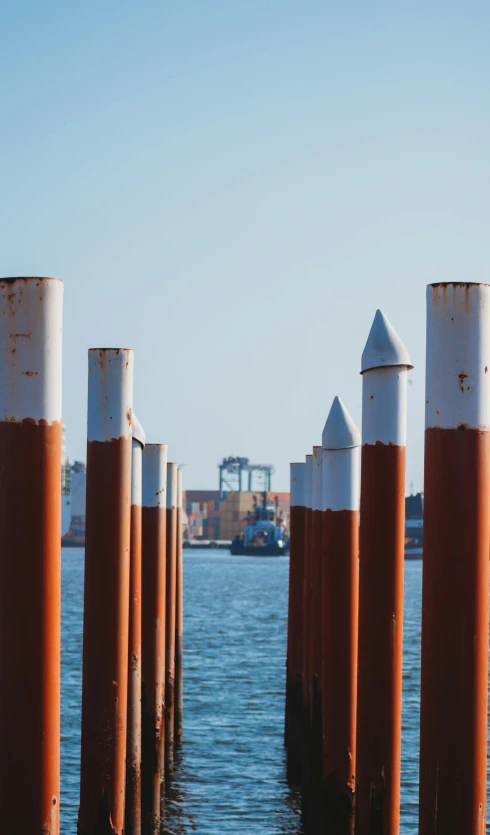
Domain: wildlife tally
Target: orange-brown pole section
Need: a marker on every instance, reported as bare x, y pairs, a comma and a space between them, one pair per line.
179, 620
153, 634
106, 597
385, 364
305, 781
294, 659
340, 588
454, 691
30, 552
133, 756
316, 726
170, 614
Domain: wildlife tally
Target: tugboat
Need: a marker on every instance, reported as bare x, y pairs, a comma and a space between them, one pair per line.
414, 525
264, 535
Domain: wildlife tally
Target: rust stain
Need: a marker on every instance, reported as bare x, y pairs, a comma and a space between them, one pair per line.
339, 627
462, 376
295, 660
453, 756
170, 613
154, 524
105, 649
466, 285
30, 373
29, 719
381, 571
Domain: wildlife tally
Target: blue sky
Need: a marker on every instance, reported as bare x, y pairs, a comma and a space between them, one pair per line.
232, 189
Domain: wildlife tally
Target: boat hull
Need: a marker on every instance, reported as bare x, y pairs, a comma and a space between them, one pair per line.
238, 549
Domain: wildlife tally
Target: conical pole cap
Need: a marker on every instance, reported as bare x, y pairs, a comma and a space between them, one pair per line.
340, 431
384, 347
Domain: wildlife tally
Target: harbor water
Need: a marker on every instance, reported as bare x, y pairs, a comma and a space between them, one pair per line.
230, 774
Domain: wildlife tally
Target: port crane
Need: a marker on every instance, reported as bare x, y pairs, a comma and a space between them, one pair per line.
231, 472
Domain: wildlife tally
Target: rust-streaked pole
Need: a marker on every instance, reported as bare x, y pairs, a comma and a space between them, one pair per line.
179, 620
454, 692
106, 596
30, 553
170, 614
153, 635
385, 364
316, 739
305, 782
294, 660
340, 587
133, 756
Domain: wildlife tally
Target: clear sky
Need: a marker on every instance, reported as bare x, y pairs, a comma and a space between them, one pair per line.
232, 188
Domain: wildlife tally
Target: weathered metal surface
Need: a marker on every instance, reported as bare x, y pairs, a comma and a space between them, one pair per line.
458, 356
153, 619
305, 783
133, 757
315, 614
340, 582
454, 680
340, 589
179, 621
30, 554
170, 616
106, 595
295, 643
385, 366
379, 695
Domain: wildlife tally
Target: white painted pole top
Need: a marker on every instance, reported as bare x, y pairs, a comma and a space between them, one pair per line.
110, 393
309, 481
31, 312
316, 499
458, 356
154, 475
298, 485
137, 430
340, 431
171, 485
340, 463
384, 347
385, 364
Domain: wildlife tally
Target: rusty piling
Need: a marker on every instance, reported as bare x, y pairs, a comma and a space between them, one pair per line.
153, 636
340, 587
306, 696
170, 616
133, 756
454, 689
385, 363
106, 595
315, 648
294, 658
30, 553
179, 620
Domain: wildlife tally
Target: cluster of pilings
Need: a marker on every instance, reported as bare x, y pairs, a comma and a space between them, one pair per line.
345, 618
133, 599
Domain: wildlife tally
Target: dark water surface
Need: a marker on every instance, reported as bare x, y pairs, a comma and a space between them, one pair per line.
231, 772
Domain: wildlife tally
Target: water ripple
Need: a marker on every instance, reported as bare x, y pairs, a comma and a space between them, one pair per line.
230, 774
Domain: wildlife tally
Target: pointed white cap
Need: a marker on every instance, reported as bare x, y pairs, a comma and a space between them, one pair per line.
384, 347
340, 431
137, 430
